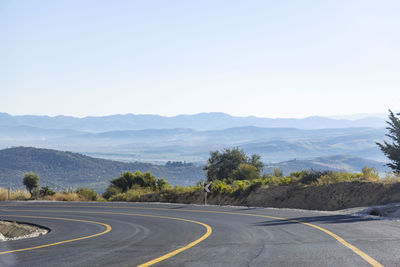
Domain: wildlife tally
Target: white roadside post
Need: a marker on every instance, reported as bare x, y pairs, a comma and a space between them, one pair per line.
206, 190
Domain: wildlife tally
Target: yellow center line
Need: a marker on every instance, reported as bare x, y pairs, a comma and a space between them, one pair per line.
108, 229
151, 262
356, 250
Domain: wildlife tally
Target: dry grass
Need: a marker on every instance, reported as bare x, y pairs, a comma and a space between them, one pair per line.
24, 195
3, 194
20, 195
64, 197
15, 195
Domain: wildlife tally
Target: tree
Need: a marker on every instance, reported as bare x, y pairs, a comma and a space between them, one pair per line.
31, 182
245, 172
124, 182
392, 150
127, 180
222, 165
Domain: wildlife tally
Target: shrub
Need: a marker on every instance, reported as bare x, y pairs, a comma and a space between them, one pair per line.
87, 194
118, 197
46, 191
220, 187
162, 184
312, 176
111, 191
370, 174
64, 197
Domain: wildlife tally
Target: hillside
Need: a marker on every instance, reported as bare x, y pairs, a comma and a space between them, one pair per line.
61, 170
332, 163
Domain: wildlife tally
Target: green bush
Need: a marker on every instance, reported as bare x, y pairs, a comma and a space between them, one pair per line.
118, 197
111, 191
46, 191
128, 180
220, 187
87, 194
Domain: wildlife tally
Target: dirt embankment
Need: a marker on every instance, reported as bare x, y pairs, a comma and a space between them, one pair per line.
326, 197
13, 230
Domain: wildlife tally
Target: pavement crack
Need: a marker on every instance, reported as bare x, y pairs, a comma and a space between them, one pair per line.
257, 255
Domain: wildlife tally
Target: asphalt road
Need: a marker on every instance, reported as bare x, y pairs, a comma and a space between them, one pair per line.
130, 234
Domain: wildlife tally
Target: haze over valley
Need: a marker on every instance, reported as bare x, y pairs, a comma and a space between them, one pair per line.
138, 142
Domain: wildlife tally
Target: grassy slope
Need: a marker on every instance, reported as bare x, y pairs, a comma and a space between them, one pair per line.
61, 170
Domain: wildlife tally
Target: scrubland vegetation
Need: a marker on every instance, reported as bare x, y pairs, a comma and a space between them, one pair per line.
80, 194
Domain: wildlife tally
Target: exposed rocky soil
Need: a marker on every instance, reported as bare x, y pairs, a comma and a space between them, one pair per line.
326, 197
13, 231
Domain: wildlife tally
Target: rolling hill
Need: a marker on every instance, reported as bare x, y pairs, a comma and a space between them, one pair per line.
332, 163
61, 169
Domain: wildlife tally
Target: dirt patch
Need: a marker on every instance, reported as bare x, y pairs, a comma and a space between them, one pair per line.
14, 230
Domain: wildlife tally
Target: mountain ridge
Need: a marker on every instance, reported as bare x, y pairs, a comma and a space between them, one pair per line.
200, 121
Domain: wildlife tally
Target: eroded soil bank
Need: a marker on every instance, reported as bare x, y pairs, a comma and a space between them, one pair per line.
14, 230
326, 197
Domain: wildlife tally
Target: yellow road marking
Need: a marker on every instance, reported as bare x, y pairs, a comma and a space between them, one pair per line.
108, 229
151, 262
356, 250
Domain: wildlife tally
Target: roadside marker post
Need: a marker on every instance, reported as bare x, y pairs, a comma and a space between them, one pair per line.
206, 190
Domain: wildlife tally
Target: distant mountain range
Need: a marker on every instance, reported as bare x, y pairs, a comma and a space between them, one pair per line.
161, 145
61, 169
201, 121
157, 139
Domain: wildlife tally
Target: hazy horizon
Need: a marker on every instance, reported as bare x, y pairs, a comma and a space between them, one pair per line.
354, 116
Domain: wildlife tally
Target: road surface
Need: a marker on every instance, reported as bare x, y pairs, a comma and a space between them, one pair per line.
131, 234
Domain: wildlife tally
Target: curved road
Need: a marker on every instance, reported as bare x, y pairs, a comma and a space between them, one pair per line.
131, 234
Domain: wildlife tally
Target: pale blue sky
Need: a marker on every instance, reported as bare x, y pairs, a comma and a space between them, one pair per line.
263, 58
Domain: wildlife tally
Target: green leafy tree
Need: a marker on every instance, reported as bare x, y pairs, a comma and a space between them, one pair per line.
127, 180
392, 149
245, 172
222, 165
31, 182
124, 182
255, 160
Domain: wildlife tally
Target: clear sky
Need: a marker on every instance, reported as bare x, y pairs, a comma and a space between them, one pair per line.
262, 58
